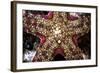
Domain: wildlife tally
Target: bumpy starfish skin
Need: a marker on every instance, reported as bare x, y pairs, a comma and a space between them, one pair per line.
59, 28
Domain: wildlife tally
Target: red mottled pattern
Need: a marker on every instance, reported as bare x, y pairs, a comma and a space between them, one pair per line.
49, 15
42, 37
59, 51
75, 39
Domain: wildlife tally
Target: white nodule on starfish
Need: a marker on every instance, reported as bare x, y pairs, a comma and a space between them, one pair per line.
59, 41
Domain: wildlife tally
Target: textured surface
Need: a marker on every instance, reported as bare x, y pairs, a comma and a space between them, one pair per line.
62, 30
